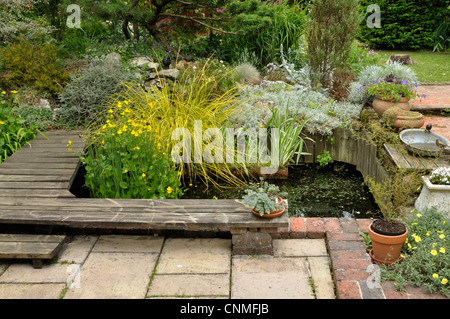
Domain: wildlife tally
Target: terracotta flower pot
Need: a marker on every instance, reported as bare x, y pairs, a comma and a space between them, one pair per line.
409, 121
399, 118
380, 105
274, 213
386, 248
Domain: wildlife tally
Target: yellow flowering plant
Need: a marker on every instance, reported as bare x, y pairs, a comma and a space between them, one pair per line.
425, 254
125, 159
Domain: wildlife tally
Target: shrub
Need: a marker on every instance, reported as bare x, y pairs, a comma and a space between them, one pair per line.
285, 28
330, 29
34, 65
406, 24
42, 118
247, 73
84, 94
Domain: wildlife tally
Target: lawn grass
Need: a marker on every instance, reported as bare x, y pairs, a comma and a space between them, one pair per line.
429, 66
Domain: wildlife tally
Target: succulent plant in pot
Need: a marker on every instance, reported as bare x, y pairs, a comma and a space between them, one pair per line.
264, 199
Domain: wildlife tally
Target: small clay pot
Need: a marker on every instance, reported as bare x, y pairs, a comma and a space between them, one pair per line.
399, 118
380, 105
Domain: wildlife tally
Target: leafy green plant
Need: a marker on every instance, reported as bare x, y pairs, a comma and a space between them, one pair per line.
41, 118
262, 197
324, 159
425, 253
13, 131
125, 159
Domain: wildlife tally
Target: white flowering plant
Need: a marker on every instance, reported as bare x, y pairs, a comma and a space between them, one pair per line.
440, 176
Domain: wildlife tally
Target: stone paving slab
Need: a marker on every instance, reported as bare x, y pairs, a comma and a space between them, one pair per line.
270, 278
190, 285
299, 247
114, 275
195, 256
31, 291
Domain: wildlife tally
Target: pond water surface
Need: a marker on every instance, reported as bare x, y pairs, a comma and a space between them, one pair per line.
337, 190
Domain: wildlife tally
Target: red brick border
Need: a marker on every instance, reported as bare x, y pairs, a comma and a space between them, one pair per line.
353, 275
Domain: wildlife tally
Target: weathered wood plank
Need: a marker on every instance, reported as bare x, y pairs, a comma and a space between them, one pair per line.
140, 219
35, 172
397, 157
41, 159
33, 193
31, 238
35, 178
16, 165
34, 185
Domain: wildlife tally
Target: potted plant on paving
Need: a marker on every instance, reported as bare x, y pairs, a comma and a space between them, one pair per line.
435, 191
264, 199
390, 94
388, 234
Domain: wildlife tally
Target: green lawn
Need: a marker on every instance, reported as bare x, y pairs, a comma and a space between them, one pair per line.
430, 66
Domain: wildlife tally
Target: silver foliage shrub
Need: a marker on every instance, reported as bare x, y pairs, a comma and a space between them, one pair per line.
83, 96
326, 114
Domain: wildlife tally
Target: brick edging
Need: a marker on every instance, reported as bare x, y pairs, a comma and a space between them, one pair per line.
353, 275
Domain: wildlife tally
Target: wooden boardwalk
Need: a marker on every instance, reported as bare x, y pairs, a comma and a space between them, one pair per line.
404, 160
34, 190
43, 168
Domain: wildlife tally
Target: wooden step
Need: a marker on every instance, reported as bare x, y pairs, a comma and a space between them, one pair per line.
29, 246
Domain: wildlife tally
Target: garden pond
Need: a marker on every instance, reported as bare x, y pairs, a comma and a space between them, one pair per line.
337, 190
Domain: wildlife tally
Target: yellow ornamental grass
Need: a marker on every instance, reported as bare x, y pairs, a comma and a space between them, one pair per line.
163, 110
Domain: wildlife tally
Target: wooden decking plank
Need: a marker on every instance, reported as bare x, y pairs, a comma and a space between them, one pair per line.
15, 165
31, 238
34, 185
397, 157
35, 172
35, 193
151, 220
41, 159
27, 250
35, 178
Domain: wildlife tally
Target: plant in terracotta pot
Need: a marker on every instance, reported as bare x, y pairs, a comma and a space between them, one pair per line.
388, 234
390, 94
399, 118
264, 199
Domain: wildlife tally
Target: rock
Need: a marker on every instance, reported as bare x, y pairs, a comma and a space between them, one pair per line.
113, 58
144, 63
44, 104
400, 58
171, 74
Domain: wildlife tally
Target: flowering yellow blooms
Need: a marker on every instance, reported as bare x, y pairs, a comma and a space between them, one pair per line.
434, 252
169, 190
435, 275
444, 281
1, 122
442, 250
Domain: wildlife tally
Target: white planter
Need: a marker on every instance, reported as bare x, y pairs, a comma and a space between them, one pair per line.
434, 195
